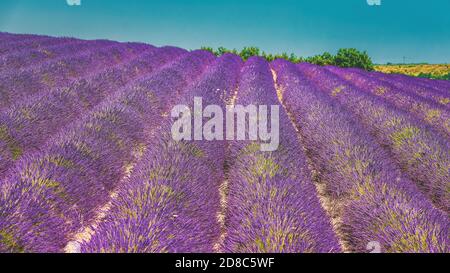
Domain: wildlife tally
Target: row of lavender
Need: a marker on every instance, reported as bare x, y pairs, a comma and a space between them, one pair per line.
170, 202
430, 107
374, 149
417, 147
37, 113
10, 43
18, 84
51, 194
367, 193
93, 137
272, 202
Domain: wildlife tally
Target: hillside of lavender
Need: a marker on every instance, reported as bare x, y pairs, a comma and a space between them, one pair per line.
88, 163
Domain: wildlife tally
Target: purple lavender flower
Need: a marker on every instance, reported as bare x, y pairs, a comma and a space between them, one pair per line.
272, 203
420, 151
428, 110
37, 114
367, 195
171, 201
63, 186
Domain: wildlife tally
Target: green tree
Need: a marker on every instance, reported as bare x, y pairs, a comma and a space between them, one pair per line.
351, 57
293, 58
268, 57
223, 50
248, 52
324, 59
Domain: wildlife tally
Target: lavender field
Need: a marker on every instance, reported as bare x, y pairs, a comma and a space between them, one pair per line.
88, 163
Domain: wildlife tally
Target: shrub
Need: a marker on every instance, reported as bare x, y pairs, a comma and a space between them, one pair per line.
351, 57
248, 52
324, 59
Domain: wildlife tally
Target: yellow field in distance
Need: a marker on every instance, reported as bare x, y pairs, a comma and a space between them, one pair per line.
415, 69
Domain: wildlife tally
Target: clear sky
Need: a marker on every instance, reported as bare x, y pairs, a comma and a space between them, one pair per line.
416, 29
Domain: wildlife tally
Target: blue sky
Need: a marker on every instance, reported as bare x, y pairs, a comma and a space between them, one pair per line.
416, 29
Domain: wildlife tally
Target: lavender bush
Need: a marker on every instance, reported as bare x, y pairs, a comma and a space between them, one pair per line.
369, 197
420, 151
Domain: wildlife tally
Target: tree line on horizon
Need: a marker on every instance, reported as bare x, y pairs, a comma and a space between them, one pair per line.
345, 57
